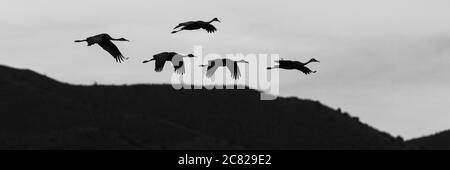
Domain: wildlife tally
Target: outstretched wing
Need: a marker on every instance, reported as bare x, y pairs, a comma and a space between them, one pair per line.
211, 69
284, 62
305, 70
209, 28
161, 58
184, 24
234, 69
159, 65
179, 66
112, 49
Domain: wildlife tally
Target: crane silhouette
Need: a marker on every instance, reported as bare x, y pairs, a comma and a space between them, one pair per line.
105, 41
176, 59
294, 65
195, 25
232, 65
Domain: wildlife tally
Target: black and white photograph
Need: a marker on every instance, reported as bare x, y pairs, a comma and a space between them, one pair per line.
222, 76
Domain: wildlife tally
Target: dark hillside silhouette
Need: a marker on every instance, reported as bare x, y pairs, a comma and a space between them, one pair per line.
40, 113
439, 141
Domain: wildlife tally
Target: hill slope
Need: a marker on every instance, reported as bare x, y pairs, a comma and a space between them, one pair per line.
40, 113
439, 141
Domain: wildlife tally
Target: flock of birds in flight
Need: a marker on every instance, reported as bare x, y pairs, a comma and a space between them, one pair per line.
105, 41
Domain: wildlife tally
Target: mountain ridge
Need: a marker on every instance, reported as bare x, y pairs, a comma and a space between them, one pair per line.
158, 117
437, 141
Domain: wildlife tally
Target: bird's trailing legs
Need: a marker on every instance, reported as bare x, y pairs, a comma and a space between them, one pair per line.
178, 26
88, 43
80, 41
173, 32
274, 67
146, 61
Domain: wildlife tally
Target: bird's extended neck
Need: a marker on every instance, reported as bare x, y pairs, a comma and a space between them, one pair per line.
310, 61
186, 56
307, 62
212, 21
118, 39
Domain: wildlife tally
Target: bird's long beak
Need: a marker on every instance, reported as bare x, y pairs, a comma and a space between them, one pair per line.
203, 65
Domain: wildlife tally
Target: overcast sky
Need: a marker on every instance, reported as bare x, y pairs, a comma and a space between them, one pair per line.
385, 61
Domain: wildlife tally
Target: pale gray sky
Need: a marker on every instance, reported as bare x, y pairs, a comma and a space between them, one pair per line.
385, 61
